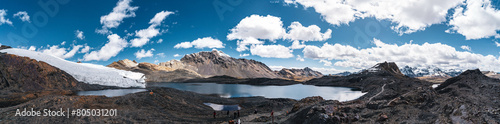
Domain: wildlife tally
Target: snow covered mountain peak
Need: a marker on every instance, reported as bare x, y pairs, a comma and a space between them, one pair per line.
86, 72
429, 71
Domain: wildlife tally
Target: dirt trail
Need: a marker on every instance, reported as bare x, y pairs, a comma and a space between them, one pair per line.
377, 93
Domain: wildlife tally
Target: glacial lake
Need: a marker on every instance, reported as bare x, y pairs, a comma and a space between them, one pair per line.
296, 91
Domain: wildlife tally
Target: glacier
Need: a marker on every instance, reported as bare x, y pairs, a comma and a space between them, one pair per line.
86, 72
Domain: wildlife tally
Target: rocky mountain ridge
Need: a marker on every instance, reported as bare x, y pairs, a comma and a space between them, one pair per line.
217, 63
299, 74
430, 71
154, 72
209, 64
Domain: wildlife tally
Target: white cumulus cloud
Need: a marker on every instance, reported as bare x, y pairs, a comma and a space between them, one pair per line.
79, 34
300, 58
259, 27
271, 51
256, 29
85, 49
297, 45
144, 35
142, 53
335, 12
478, 20
252, 28
244, 54
325, 62
3, 18
408, 15
464, 47
159, 17
200, 43
310, 33
159, 41
415, 55
162, 55
60, 51
23, 15
114, 46
121, 11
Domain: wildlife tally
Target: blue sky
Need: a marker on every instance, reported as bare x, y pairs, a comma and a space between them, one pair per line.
459, 34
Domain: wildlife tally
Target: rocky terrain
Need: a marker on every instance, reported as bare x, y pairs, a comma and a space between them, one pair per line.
216, 63
470, 97
164, 105
373, 78
299, 74
156, 73
23, 79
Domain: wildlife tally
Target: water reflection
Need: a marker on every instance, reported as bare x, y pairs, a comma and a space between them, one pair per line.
297, 91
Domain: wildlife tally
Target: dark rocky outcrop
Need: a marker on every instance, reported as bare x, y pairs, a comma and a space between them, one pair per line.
470, 97
21, 74
384, 68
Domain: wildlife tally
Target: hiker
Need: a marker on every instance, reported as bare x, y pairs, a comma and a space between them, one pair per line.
238, 113
272, 116
215, 114
234, 115
227, 113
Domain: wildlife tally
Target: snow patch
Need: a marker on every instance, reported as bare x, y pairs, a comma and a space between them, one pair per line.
220, 53
86, 72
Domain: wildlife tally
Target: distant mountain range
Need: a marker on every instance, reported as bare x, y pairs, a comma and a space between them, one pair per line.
429, 71
211, 63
